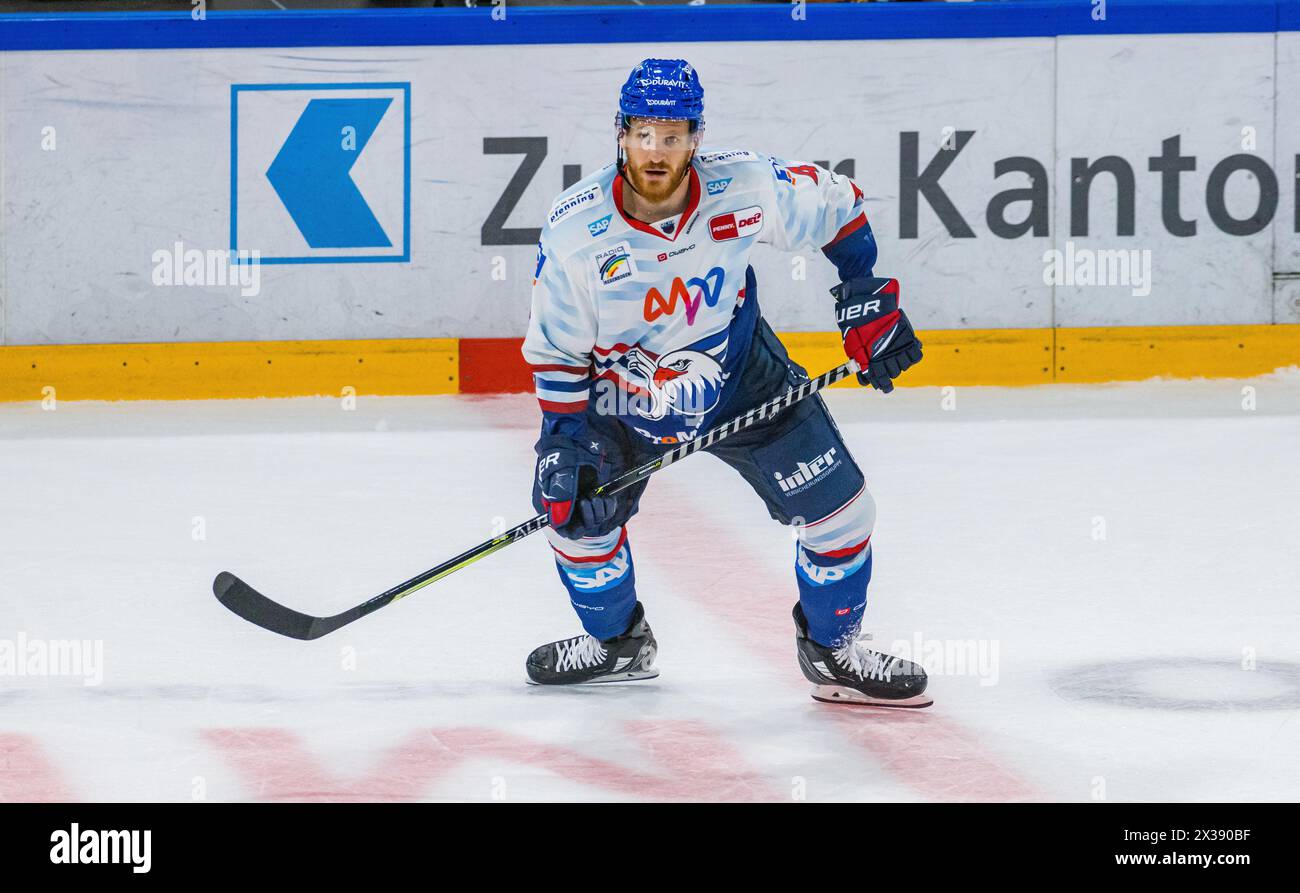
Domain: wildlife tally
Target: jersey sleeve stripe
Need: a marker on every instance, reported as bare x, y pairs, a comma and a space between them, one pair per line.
574, 387
566, 408
556, 367
849, 229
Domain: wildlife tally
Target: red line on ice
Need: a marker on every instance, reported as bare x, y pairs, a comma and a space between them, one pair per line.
690, 760
26, 776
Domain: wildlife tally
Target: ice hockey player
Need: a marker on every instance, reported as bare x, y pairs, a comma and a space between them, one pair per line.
646, 331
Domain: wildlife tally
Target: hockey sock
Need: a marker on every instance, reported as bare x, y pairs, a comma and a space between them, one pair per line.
833, 593
603, 592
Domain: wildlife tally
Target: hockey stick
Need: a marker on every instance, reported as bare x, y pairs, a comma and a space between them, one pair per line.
256, 608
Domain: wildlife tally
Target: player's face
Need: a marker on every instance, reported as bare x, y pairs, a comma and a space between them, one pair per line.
658, 154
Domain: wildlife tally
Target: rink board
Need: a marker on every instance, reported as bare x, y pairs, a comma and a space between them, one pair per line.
156, 132
953, 358
229, 370
150, 136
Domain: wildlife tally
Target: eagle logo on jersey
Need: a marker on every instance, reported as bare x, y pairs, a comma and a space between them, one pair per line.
681, 382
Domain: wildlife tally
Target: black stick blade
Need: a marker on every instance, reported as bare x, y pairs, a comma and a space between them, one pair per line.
256, 608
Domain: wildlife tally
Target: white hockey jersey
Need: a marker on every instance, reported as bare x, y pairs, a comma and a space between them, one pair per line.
652, 321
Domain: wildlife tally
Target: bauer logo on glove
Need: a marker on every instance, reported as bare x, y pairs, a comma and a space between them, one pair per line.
876, 332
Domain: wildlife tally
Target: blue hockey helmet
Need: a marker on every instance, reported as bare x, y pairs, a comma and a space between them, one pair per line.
662, 88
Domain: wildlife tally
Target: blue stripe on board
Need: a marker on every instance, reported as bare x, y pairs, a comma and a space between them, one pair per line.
604, 24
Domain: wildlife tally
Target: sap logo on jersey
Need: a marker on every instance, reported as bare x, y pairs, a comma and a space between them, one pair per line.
598, 227
717, 187
736, 224
570, 203
613, 265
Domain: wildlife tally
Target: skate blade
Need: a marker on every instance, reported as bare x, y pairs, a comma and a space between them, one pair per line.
631, 676
839, 694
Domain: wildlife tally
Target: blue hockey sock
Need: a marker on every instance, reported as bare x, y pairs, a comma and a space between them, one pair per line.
603, 593
833, 593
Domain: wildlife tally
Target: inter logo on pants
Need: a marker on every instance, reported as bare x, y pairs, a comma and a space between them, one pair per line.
807, 473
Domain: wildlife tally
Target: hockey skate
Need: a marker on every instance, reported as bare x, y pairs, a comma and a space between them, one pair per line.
854, 674
584, 660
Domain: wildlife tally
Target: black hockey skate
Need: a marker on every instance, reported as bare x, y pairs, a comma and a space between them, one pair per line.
854, 674
583, 660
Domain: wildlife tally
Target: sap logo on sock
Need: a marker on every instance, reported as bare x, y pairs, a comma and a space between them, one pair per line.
736, 224
717, 187
816, 573
602, 577
807, 473
77, 847
598, 227
321, 173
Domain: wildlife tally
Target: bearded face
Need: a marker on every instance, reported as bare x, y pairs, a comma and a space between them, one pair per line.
658, 155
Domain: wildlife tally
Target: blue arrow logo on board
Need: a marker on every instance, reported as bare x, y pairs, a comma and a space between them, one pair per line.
312, 173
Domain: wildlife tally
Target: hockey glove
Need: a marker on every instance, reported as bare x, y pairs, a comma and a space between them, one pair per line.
876, 332
567, 471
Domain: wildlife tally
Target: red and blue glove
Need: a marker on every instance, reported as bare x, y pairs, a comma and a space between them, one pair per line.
876, 331
568, 470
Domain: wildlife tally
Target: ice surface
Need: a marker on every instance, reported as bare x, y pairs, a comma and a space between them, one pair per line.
1103, 580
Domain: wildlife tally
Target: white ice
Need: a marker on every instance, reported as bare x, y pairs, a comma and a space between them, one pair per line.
1104, 582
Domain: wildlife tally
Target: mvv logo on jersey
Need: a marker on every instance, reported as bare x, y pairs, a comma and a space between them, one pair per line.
321, 172
679, 294
613, 265
736, 224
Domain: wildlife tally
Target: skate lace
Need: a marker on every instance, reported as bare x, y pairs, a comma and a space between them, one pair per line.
579, 653
865, 663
